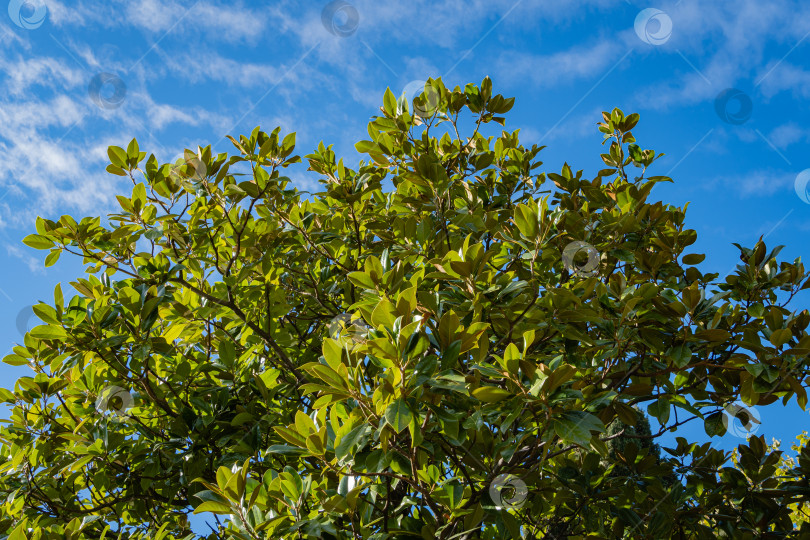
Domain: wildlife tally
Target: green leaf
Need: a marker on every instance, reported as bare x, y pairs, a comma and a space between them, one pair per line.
576, 426
511, 358
716, 335
18, 533
660, 410
133, 152
680, 355
52, 257
291, 436
37, 241
390, 102
454, 492
352, 438
118, 171
714, 424
398, 415
526, 221
693, 258
232, 336
227, 353
214, 508
362, 280
384, 314
756, 310
286, 450
450, 355
46, 313
118, 156
15, 360
366, 147
288, 144
780, 337
48, 332
491, 394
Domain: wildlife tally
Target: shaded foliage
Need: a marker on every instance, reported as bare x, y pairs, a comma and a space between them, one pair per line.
414, 351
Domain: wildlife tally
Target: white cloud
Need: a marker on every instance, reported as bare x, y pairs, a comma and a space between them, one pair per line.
54, 148
732, 37
8, 37
208, 65
231, 21
23, 74
451, 30
578, 62
159, 115
78, 13
757, 183
35, 266
459, 24
60, 111
227, 22
788, 134
779, 77
433, 35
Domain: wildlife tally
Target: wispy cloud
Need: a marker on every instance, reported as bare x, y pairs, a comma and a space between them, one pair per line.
228, 21
759, 183
35, 266
198, 47
732, 38
785, 77
211, 66
788, 134
554, 69
21, 74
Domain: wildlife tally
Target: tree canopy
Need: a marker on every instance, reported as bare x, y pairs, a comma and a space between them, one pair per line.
443, 342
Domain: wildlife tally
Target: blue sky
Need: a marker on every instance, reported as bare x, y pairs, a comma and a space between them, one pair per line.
722, 88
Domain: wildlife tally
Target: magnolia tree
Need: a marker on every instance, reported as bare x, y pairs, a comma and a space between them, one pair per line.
443, 342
